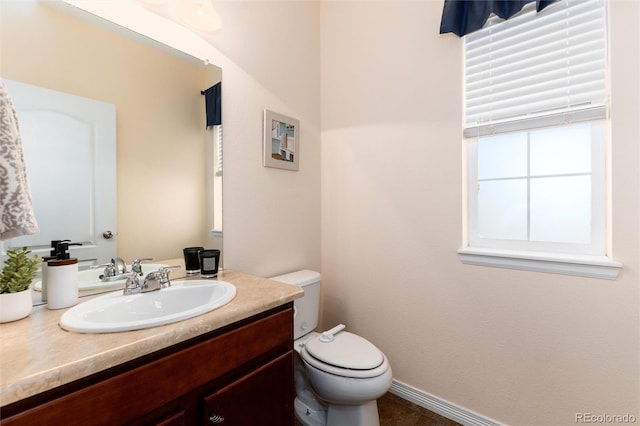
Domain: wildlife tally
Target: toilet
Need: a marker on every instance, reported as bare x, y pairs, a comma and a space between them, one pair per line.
338, 375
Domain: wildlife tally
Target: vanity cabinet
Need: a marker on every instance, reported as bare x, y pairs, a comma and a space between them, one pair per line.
239, 375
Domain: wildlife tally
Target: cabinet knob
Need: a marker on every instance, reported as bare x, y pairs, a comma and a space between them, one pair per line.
216, 419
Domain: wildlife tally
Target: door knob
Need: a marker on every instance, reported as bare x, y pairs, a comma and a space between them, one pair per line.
107, 235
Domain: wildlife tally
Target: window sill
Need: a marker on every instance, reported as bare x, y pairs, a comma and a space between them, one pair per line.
581, 265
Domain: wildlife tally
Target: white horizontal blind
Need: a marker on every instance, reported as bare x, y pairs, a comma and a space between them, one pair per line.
219, 171
537, 69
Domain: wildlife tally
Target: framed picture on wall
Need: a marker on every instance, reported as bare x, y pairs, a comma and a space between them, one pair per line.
281, 147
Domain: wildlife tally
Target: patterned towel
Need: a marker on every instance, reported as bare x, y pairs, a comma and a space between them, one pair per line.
16, 211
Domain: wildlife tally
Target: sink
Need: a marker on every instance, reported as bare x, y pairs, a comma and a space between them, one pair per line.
89, 279
116, 312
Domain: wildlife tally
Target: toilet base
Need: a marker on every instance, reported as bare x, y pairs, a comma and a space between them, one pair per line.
351, 415
309, 416
338, 415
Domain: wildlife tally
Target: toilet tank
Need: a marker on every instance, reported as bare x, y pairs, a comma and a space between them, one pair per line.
306, 308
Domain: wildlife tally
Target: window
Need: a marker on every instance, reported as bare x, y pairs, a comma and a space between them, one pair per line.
536, 104
214, 179
219, 149
540, 190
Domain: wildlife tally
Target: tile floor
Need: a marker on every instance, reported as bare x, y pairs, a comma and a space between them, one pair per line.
395, 411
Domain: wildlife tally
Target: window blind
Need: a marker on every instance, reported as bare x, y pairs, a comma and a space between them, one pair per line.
537, 69
219, 171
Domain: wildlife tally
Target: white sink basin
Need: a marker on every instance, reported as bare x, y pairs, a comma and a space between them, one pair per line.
89, 279
116, 312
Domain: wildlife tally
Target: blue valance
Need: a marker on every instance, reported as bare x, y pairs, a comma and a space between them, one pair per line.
462, 17
213, 104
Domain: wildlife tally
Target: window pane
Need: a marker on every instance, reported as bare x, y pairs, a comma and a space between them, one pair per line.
502, 156
561, 209
561, 150
502, 209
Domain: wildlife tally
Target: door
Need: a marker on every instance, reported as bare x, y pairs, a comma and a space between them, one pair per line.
69, 145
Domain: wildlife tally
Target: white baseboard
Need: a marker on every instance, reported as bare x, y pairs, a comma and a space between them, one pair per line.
440, 406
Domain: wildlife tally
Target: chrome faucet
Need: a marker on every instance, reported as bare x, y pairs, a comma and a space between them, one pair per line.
118, 262
111, 272
152, 282
136, 265
132, 285
117, 268
114, 270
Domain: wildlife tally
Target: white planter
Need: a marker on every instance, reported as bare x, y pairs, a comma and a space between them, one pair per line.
15, 306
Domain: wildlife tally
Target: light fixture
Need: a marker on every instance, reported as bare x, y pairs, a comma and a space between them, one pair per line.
154, 3
198, 15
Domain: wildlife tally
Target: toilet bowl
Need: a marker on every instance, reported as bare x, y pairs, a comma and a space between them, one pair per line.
338, 375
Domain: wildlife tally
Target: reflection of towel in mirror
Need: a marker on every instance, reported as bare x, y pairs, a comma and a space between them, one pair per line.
16, 211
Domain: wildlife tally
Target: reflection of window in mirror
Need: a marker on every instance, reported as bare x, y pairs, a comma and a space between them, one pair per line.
218, 136
214, 179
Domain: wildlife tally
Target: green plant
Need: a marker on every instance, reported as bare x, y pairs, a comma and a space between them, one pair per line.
19, 270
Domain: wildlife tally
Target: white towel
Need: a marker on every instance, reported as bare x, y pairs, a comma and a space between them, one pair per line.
16, 210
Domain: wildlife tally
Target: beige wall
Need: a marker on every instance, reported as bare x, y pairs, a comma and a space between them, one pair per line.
159, 113
519, 347
270, 59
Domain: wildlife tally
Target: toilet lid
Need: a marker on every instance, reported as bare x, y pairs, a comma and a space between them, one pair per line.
347, 350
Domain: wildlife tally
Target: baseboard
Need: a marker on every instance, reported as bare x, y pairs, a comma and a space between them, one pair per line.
440, 406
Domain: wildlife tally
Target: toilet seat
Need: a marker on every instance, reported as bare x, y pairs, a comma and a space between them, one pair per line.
348, 355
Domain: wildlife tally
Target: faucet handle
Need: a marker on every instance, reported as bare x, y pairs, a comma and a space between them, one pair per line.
169, 268
104, 265
136, 265
157, 279
110, 269
132, 285
163, 274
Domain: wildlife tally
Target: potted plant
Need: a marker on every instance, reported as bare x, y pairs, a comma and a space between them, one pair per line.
15, 281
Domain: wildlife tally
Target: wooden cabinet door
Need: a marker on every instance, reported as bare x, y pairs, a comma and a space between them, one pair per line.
262, 397
176, 419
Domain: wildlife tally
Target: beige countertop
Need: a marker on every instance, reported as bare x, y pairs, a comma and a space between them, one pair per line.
37, 355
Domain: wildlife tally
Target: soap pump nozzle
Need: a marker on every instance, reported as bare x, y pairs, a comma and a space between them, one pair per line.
60, 247
54, 247
61, 251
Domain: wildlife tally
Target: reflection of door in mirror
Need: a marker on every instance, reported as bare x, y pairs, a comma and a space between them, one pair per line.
69, 145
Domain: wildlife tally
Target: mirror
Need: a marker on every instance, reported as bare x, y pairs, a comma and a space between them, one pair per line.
168, 168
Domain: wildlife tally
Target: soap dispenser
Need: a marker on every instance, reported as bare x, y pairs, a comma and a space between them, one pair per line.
62, 277
44, 276
44, 273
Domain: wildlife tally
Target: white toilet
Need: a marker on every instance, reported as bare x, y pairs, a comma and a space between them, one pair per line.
338, 375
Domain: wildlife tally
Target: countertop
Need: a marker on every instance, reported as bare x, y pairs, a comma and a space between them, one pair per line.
37, 355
